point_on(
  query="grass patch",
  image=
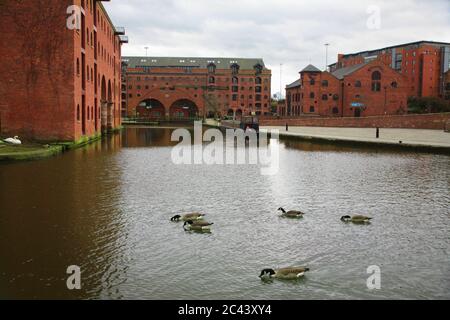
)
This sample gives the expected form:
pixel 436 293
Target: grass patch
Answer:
pixel 27 152
pixel 35 151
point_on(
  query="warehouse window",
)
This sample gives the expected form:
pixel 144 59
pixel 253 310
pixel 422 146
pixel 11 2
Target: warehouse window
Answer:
pixel 358 84
pixel 376 76
pixel 78 112
pixel 376 81
pixel 235 68
pixel 325 83
pixel 211 68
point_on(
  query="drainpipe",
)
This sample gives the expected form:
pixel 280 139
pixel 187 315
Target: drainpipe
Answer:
pixel 342 98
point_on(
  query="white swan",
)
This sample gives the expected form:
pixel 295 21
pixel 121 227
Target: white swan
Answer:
pixel 14 140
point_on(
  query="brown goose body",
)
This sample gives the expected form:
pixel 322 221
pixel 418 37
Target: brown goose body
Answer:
pixel 201 223
pixel 294 214
pixel 291 273
pixel 356 219
pixel 188 217
pixel 197 226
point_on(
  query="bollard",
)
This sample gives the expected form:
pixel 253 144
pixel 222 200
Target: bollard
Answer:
pixel 378 133
pixel 287 127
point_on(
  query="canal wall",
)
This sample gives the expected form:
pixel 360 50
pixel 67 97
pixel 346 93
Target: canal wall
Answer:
pixel 434 121
pixel 35 151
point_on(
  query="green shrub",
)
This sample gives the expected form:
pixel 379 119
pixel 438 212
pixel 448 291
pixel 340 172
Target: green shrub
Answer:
pixel 428 105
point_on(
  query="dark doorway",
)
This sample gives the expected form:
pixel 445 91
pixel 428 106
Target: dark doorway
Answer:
pixel 83 116
pixel 95 115
pixel 357 113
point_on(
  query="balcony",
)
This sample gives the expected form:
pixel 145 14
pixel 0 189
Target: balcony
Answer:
pixel 120 31
pixel 123 39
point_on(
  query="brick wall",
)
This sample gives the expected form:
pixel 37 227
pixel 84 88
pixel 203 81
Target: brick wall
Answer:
pixel 172 84
pixel 36 83
pixel 420 121
pixel 44 66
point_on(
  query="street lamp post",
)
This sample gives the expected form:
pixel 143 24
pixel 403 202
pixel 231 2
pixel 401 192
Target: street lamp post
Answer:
pixel 281 85
pixel 326 56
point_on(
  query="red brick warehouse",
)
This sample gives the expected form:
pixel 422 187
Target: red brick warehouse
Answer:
pixel 366 89
pixel 59 83
pixel 185 88
pixel 419 69
pixel 425 65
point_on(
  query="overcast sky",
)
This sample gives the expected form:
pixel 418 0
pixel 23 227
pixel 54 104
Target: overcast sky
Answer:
pixel 288 32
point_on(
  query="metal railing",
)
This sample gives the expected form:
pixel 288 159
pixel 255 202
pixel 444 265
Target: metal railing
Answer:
pixel 131 120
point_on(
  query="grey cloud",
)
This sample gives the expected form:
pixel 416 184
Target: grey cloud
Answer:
pixel 292 32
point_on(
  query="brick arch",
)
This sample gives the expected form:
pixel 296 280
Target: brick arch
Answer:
pixel 151 109
pixel 183 109
pixel 169 97
pixel 104 105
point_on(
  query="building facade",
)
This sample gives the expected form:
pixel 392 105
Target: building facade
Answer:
pixel 424 64
pixel 185 88
pixel 366 89
pixel 61 74
pixel 293 97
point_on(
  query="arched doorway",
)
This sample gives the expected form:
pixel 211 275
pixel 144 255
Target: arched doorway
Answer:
pixel 110 107
pixel 150 109
pixel 103 106
pixel 239 114
pixel 183 109
pixel 230 113
pixel 96 114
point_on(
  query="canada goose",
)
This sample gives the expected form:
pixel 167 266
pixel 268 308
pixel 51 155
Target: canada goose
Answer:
pixel 14 140
pixel 291 214
pixel 199 226
pixel 285 273
pixel 187 217
pixel 356 219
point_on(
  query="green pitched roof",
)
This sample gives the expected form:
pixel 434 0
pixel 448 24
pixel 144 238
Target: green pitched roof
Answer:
pixel 193 62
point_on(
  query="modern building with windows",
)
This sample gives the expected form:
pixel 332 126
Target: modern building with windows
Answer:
pixel 61 74
pixel 181 88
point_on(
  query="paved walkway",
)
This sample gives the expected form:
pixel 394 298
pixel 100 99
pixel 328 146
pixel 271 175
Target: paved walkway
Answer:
pixel 408 137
